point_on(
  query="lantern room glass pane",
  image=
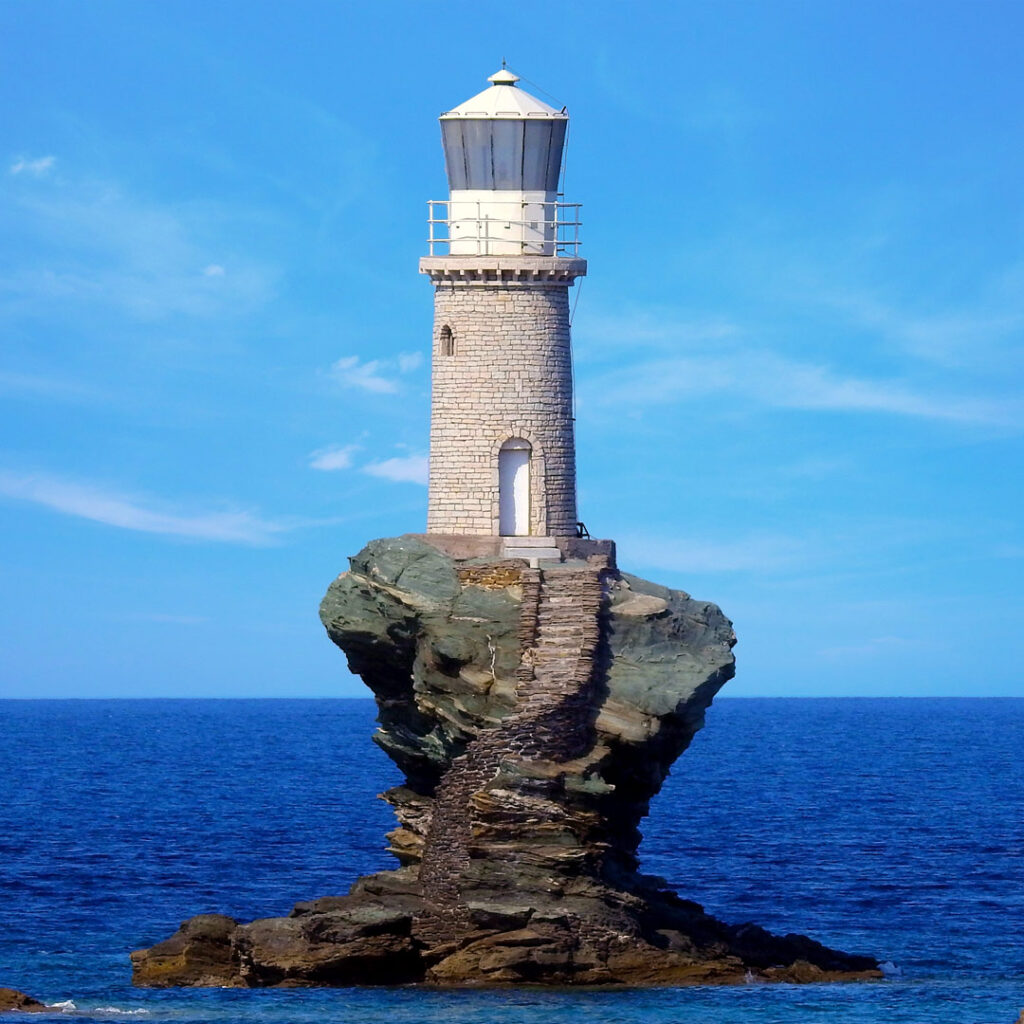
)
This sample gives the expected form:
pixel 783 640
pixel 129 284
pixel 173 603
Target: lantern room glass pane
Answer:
pixel 536 156
pixel 454 153
pixel 508 154
pixel 554 168
pixel 476 137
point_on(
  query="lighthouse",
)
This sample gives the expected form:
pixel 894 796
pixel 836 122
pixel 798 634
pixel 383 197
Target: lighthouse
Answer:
pixel 503 254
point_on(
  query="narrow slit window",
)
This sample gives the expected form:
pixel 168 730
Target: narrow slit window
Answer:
pixel 447 341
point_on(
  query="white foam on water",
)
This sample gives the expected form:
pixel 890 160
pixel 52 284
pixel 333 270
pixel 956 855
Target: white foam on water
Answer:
pixel 70 1006
pixel 890 970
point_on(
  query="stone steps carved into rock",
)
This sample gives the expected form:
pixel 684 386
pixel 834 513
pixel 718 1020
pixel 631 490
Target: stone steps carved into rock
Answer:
pixel 559 634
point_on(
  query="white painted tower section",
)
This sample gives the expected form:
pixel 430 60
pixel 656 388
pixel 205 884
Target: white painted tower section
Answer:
pixel 502 444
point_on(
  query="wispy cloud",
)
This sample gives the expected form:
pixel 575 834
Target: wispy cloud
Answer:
pixel 168 619
pixel 95 243
pixel 378 376
pixel 403 469
pixel 811 468
pixel 1009 551
pixel 34 385
pixel 36 167
pixel 351 372
pixel 338 457
pixel 760 553
pixel 651 328
pixel 88 501
pixel 870 647
pixel 951 338
pixel 399 469
pixel 781 382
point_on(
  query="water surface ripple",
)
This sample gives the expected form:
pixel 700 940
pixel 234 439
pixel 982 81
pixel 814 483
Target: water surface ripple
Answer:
pixel 893 827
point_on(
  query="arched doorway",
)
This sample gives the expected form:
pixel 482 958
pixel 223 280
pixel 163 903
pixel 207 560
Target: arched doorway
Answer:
pixel 514 488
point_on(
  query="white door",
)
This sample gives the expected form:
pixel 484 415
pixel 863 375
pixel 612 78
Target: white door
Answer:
pixel 514 492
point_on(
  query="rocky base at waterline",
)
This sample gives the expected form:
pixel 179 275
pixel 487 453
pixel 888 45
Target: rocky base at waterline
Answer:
pixel 534 714
pixel 370 938
pixel 12 999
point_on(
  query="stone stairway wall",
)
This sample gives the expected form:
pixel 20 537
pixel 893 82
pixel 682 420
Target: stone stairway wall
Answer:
pixel 560 630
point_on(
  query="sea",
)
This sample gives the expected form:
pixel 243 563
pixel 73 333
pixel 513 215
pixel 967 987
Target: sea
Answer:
pixel 882 826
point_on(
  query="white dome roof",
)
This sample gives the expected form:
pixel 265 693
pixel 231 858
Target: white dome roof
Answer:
pixel 503 99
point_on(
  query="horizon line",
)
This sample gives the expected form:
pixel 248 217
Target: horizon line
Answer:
pixel 766 696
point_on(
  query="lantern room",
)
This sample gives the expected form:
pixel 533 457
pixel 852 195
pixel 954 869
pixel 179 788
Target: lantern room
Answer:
pixel 503 156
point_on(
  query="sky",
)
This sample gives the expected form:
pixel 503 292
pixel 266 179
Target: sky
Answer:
pixel 798 347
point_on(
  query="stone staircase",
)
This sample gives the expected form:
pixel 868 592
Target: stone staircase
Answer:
pixel 560 630
pixel 533 549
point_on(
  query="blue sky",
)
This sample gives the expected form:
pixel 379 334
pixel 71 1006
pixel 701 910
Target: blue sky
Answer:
pixel 798 348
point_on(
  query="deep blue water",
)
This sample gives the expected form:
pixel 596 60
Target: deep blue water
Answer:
pixel 892 827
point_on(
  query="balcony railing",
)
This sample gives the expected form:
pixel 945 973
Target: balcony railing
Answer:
pixel 519 227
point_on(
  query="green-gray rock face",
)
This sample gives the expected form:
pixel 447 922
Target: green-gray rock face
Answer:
pixel 534 714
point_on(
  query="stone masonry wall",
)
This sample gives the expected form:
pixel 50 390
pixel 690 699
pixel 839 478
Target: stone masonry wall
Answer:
pixel 510 375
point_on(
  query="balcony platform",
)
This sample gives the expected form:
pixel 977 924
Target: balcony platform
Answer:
pixel 512 270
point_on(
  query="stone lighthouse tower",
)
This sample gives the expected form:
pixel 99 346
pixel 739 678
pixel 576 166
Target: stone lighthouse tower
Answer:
pixel 503 256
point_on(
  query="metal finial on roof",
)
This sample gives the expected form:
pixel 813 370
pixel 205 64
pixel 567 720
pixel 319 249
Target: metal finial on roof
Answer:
pixel 503 77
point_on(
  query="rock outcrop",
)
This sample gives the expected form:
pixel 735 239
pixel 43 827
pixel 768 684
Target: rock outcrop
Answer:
pixel 12 999
pixel 534 714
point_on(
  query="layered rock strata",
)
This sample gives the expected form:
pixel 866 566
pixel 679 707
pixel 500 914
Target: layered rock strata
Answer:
pixel 534 714
pixel 12 999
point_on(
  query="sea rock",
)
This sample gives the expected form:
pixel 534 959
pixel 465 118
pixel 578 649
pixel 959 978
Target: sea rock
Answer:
pixel 200 953
pixel 12 999
pixel 534 713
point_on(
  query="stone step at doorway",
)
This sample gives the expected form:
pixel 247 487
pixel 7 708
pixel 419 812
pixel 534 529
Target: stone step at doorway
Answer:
pixel 534 549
